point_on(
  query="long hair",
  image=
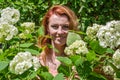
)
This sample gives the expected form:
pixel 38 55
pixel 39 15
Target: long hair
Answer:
pixel 58 10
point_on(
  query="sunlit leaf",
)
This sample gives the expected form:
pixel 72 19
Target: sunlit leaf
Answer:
pixel 60 76
pixel 46 76
pixel 91 55
pixel 26 44
pixel 33 51
pixel 41 31
pixel 65 60
pixel 72 37
pixel 3 65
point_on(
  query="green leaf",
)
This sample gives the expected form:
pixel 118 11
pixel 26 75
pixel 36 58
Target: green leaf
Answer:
pixel 59 76
pixel 91 55
pixel 33 51
pixel 84 70
pixel 97 48
pixel 72 37
pixel 118 74
pixel 46 76
pixel 3 65
pixel 41 31
pixel 32 75
pixel 79 61
pixel 26 45
pixel 74 58
pixel 66 70
pixel 1 0
pixel 96 76
pixel 65 60
pixel 109 50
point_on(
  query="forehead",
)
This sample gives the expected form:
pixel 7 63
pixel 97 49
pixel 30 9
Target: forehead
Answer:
pixel 57 19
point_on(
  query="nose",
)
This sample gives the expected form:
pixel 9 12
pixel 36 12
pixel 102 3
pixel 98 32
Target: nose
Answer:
pixel 60 31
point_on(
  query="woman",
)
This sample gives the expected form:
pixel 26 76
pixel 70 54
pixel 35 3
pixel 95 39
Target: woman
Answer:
pixel 57 22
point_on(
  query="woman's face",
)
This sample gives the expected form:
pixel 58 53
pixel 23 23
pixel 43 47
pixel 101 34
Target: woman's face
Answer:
pixel 58 29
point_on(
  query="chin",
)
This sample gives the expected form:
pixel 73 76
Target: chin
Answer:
pixel 59 43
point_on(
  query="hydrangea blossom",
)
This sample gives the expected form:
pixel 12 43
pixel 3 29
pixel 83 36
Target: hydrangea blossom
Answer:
pixel 22 62
pixel 9 15
pixel 116 57
pixel 108 70
pixel 92 31
pixel 28 28
pixel 109 35
pixel 7 31
pixel 77 47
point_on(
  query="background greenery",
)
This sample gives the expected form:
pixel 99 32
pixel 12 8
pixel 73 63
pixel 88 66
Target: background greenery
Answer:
pixel 87 11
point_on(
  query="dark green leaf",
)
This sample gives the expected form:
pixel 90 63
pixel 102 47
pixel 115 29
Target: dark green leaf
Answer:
pixel 97 48
pixel 66 70
pixel 74 58
pixel 84 70
pixel 96 76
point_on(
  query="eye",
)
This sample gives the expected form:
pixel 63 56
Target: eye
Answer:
pixel 54 26
pixel 65 27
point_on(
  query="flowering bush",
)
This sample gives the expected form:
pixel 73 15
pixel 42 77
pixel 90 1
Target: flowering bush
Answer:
pixel 91 55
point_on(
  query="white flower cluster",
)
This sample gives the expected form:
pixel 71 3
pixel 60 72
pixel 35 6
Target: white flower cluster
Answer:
pixel 9 16
pixel 92 31
pixel 77 47
pixel 116 58
pixel 116 61
pixel 7 31
pixel 109 35
pixel 28 28
pixel 22 62
pixel 108 70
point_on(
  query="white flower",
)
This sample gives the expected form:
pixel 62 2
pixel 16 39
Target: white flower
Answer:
pixel 77 47
pixel 108 70
pixel 28 28
pixel 116 57
pixel 109 35
pixel 22 66
pixel 36 63
pixel 7 31
pixel 22 62
pixel 92 31
pixel 9 15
